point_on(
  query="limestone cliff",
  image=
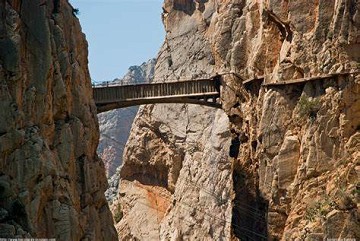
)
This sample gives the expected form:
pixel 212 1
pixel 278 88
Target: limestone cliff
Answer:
pixel 298 143
pixel 283 162
pixel 51 181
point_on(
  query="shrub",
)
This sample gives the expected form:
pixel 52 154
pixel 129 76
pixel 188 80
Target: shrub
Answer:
pixel 356 191
pixel 118 214
pixel 308 107
pixel 76 11
pixel 319 209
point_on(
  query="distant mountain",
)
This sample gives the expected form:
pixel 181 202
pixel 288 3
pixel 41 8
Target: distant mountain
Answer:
pixel 136 74
pixel 139 74
pixel 115 125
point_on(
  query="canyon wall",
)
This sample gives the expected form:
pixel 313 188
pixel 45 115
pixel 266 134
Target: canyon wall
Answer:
pixel 52 182
pixel 298 143
pixel 115 125
pixel 282 162
pixel 171 186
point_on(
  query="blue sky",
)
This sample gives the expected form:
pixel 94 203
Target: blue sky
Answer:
pixel 120 33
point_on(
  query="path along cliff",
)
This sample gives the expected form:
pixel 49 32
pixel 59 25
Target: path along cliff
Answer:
pixel 52 182
pixel 279 162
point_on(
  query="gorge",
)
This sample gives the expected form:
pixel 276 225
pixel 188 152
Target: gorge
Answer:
pixel 279 161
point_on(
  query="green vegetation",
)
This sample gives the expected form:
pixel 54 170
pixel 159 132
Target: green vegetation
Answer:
pixel 356 190
pixel 118 215
pixel 319 209
pixel 308 107
pixel 76 11
pixel 330 35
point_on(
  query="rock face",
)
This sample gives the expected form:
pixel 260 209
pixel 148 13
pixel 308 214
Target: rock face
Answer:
pixel 51 181
pixel 115 125
pixel 283 162
pixel 138 74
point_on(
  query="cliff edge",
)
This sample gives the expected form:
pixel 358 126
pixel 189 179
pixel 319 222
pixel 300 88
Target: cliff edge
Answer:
pixel 52 182
pixel 282 161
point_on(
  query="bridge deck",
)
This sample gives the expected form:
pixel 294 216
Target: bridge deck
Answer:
pixel 194 91
pixel 200 91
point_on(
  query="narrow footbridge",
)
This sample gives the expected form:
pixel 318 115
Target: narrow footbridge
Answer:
pixel 200 91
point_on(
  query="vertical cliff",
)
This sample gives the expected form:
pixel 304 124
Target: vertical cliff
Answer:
pixel 298 143
pixel 283 162
pixel 51 181
pixel 176 177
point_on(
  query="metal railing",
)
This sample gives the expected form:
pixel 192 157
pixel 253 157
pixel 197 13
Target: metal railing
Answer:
pixel 110 94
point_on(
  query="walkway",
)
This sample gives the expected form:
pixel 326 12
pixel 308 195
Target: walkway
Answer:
pixel 200 91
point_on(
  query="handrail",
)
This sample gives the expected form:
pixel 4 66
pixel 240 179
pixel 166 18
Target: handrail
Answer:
pixel 202 91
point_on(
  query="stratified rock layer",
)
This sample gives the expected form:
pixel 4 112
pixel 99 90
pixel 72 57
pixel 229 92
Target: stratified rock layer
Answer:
pixel 51 181
pixel 283 162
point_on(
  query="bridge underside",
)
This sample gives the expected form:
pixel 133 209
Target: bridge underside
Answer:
pixel 199 92
pixel 209 100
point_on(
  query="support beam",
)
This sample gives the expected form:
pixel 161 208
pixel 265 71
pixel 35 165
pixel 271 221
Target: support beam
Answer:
pixel 192 92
